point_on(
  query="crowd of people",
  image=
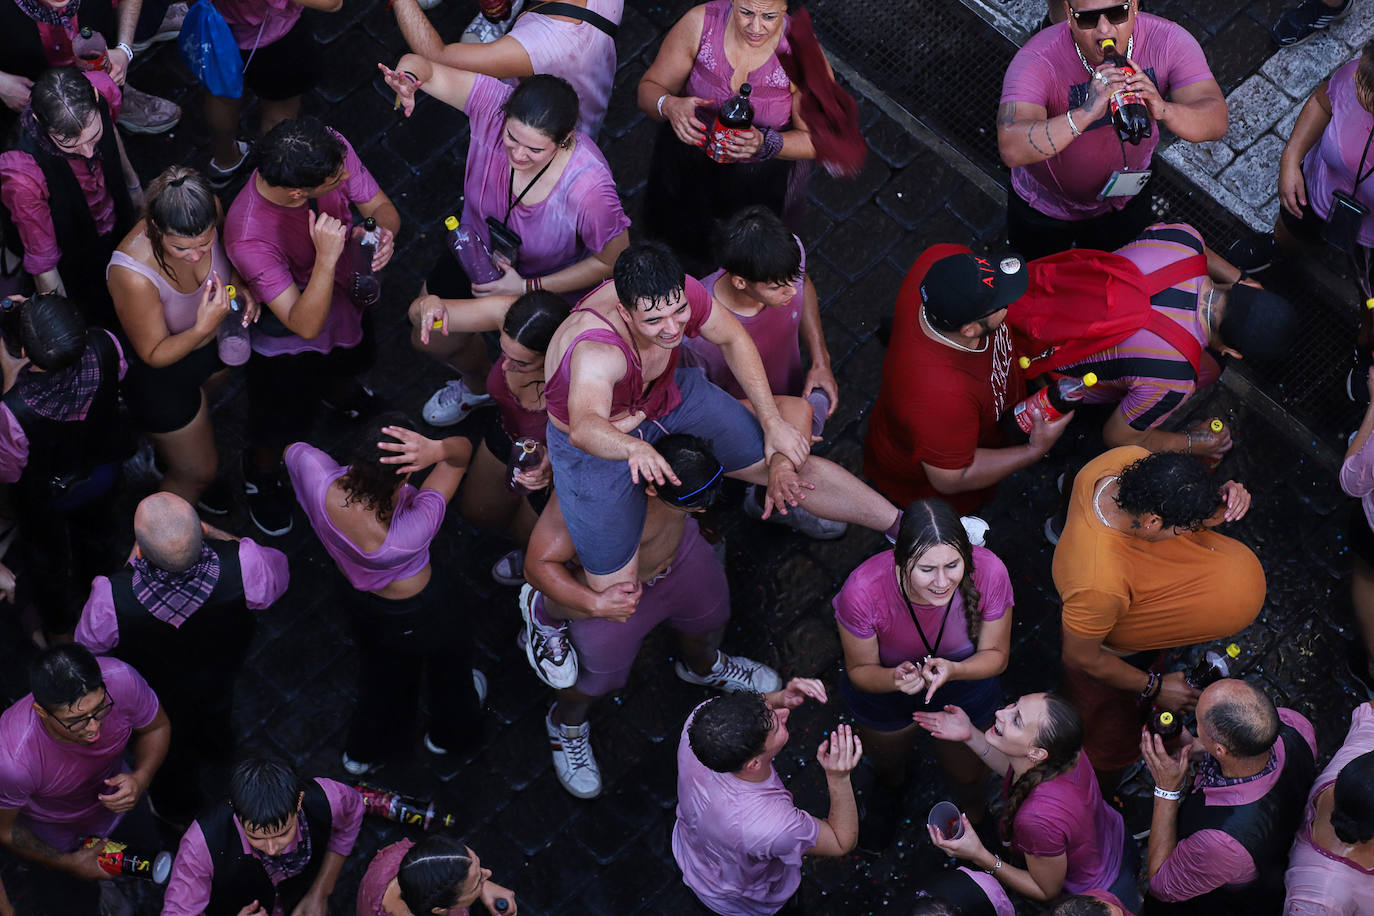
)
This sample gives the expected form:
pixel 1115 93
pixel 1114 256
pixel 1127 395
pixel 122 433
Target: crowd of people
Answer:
pixel 607 376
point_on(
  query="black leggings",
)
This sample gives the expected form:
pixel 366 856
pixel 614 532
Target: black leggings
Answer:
pixel 1034 235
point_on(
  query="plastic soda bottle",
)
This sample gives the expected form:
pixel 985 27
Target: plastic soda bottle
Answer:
pixel 402 808
pixel 364 289
pixel 734 118
pixel 115 859
pixel 1212 667
pixel 1216 428
pixel 1130 117
pixel 525 455
pixel 1166 725
pixel 471 252
pixel 89 50
pixel 233 342
pixel 1053 401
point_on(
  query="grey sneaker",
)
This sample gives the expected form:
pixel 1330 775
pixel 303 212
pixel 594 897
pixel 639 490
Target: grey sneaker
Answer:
pixel 797 518
pixel 452 403
pixel 573 760
pixel 550 654
pixel 734 674
pixel 482 30
pixel 168 29
pixel 147 114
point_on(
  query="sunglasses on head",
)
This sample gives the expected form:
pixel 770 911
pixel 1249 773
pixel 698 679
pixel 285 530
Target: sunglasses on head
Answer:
pixel 1087 19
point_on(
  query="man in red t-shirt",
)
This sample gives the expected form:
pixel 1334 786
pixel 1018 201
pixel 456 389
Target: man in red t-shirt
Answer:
pixel 950 373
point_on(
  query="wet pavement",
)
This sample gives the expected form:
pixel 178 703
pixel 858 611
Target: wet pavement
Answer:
pixel 611 855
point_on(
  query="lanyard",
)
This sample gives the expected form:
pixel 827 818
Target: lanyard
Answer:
pixel 511 199
pixel 930 649
pixel 1360 173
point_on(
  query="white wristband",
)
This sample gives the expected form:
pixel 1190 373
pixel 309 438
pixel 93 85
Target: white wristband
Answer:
pixel 1072 126
pixel 660 105
pixel 1167 794
pixel 127 50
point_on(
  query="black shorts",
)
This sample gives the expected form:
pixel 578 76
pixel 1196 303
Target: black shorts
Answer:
pixel 165 399
pixel 447 280
pixel 1361 537
pixel 1308 228
pixel 288 67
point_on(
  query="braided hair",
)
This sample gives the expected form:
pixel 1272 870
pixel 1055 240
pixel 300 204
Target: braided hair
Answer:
pixel 433 873
pixel 930 523
pixel 1061 738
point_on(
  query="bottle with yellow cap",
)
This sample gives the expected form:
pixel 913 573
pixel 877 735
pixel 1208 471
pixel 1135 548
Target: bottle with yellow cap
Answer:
pixel 472 253
pixel 1053 401
pixel 1212 667
pixel 1215 427
pixel 1166 725
pixel 233 343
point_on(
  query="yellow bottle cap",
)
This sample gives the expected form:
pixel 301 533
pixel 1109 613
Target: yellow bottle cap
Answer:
pixel 1166 718
pixel 1369 303
pixel 230 291
pixel 1108 43
pixel 1233 650
pixel 1217 426
pixel 1024 362
pixel 451 223
pixel 1090 379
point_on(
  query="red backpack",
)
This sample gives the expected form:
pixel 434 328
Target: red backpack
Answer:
pixel 1081 302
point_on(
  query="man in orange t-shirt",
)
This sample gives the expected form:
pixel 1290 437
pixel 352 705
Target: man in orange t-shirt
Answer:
pixel 1139 570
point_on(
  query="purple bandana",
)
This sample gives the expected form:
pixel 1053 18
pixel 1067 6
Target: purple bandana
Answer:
pixel 65 395
pixel 41 12
pixel 288 864
pixel 1207 773
pixel 173 597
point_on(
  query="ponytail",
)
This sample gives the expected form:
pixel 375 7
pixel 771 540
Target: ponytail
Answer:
pixel 1061 737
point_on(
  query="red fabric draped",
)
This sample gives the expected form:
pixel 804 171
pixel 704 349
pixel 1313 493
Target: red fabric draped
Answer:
pixel 830 113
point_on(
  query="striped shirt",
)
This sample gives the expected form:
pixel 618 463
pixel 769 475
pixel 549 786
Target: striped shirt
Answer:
pixel 1144 373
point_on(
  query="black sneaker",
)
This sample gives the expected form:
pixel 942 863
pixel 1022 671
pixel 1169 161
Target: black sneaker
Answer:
pixel 1357 662
pixel 269 506
pixel 217 499
pixel 1258 252
pixel 1054 527
pixel 1309 16
pixel 361 401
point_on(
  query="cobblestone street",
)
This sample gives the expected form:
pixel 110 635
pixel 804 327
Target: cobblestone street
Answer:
pixel 922 184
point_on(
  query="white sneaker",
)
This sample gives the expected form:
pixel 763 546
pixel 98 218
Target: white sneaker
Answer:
pixel 797 518
pixel 452 403
pixel 357 767
pixel 479 683
pixel 734 674
pixel 573 760
pixel 551 655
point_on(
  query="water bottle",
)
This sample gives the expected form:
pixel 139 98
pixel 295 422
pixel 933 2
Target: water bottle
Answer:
pixel 1212 667
pixel 1130 116
pixel 89 50
pixel 526 455
pixel 364 289
pixel 234 346
pixel 471 252
pixel 1053 401
pixel 734 118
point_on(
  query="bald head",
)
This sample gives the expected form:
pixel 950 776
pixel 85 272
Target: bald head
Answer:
pixel 167 531
pixel 1240 717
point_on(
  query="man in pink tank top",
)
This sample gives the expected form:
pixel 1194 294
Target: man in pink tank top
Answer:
pixel 618 363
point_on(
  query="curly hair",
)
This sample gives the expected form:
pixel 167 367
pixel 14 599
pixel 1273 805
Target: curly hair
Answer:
pixel 1364 77
pixel 367 480
pixel 1176 487
pixel 1061 737
pixel 930 523
pixel 730 730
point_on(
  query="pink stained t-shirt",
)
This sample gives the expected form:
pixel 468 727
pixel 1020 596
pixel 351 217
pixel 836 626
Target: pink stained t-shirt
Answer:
pixel 871 605
pixel 414 523
pixel 578 218
pixel 381 871
pixel 56 785
pixel 271 247
pixel 1048 72
pixel 1068 816
pixel 178 308
pixel 629 393
pixel 1321 883
pixel 739 844
pixel 711 74
pixel 24 191
pixel 193 870
pixel 774 331
pixel 578 52
pixel 1357 478
pixel 258 23
pixel 1330 165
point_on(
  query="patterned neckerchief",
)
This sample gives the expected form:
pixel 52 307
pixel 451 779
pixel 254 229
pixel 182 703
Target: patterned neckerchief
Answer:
pixel 173 597
pixel 64 395
pixel 41 12
pixel 288 864
pixel 1207 773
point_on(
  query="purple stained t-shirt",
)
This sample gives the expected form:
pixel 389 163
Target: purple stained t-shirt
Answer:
pixel 578 218
pixel 1068 816
pixel 774 331
pixel 258 23
pixel 1048 72
pixel 414 522
pixel 56 785
pixel 1330 165
pixel 871 604
pixel 271 247
pixel 739 844
pixel 578 52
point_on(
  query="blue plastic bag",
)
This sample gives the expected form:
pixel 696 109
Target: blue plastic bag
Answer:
pixel 209 49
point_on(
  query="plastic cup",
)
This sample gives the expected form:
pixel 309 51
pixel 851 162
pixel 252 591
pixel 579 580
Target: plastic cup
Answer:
pixel 946 818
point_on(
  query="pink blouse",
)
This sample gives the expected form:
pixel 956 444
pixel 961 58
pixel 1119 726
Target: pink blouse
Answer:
pixel 712 72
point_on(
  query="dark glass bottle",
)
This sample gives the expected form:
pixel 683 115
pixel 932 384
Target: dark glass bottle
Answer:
pixel 1130 116
pixel 364 289
pixel 1166 725
pixel 1212 667
pixel 734 117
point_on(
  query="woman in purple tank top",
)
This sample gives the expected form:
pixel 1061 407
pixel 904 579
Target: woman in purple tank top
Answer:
pixel 516 384
pixel 439 874
pixel 167 279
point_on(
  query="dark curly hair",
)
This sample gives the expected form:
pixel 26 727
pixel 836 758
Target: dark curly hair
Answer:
pixel 367 480
pixel 928 523
pixel 1352 807
pixel 1061 737
pixel 1176 487
pixel 730 730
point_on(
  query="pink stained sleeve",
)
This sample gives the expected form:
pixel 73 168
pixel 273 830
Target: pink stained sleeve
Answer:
pixel 133 693
pixel 699 305
pixel 996 894
pixel 24 191
pixel 423 518
pixel 98 629
pixel 600 215
pixel 1357 471
pixel 853 604
pixel 1030 76
pixel 1201 863
pixel 119 353
pixel 361 186
pixel 484 104
pixel 193 871
pixel 994 584
pixel 266 574
pixel 109 90
pixel 347 807
pixel 14 447
pixel 1187 62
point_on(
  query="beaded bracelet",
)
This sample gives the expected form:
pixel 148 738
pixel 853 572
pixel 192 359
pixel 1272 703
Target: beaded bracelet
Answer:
pixel 1152 685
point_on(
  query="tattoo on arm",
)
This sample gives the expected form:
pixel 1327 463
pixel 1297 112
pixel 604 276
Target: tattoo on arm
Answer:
pixel 1030 135
pixel 26 844
pixel 1006 114
pixel 1053 145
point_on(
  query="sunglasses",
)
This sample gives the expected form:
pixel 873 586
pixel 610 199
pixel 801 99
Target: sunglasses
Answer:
pixel 1087 19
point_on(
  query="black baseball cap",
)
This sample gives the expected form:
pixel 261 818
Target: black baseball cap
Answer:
pixel 966 287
